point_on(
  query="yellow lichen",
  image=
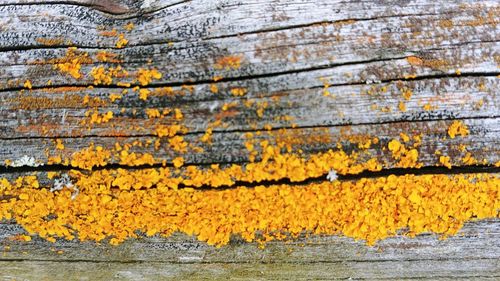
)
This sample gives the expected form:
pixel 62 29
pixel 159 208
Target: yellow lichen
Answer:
pixel 365 208
pixel 229 62
pixel 71 63
pixel 90 157
pixel 146 76
pixel 238 92
pixel 457 128
pixel 122 42
pixel 178 162
pixel 445 161
pixel 27 84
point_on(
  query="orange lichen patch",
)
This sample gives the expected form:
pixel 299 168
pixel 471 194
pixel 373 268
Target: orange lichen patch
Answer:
pixel 105 56
pixel 468 159
pixel 92 101
pixel 458 128
pixel 445 161
pixel 59 144
pixel 189 88
pixel 178 162
pixel 238 92
pixel 428 107
pixel 27 84
pixel 104 76
pixel 368 209
pixel 90 157
pixel 129 26
pixel 407 93
pixel 63 89
pixel 146 76
pixel 50 41
pixel 93 117
pixel 407 157
pixel 207 136
pixel 167 91
pixel 109 33
pixel 446 24
pixel 71 63
pixel 167 131
pixel 178 144
pixel 228 62
pixel 122 42
pixel 153 113
pixel 213 88
pixel 415 61
pixel 144 93
pixel 135 159
pixel 402 106
pixel 178 114
pixel 113 97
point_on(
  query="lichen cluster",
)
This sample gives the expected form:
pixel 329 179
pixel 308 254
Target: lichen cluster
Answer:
pixel 151 193
pixel 368 209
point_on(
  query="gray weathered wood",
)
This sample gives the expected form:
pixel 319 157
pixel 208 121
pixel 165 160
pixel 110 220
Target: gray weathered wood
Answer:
pixel 463 256
pixel 364 53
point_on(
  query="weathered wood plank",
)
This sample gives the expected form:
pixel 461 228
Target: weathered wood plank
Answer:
pixel 332 73
pixel 303 47
pixel 476 241
pixel 61 113
pixel 472 254
pixel 482 143
pixel 391 270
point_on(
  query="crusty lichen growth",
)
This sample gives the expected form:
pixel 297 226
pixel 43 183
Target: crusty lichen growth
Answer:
pixel 368 209
pixel 457 128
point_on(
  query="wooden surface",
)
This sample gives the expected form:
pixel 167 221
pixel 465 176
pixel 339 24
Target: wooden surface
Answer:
pixel 290 52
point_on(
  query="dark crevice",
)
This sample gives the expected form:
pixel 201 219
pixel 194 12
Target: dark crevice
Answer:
pixel 262 129
pixel 139 13
pixel 295 26
pixel 264 262
pixel 226 79
pixel 274 74
pixel 427 170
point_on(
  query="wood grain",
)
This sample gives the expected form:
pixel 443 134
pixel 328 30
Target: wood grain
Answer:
pixel 324 73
